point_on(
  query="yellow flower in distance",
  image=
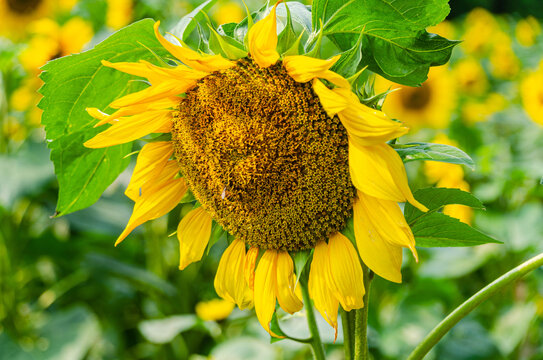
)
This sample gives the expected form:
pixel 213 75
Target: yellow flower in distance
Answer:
pixel 480 26
pixel 531 91
pixel 216 309
pixel 504 63
pixel 276 157
pixel 527 31
pixel 430 105
pixel 470 77
pixel 119 13
pixel 16 15
pixel 227 12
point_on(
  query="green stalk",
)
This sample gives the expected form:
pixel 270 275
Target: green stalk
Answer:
pixel 316 343
pixel 361 322
pixel 460 312
pixel 347 322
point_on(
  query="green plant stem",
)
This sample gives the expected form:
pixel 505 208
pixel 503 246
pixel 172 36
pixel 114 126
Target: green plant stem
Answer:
pixel 460 312
pixel 316 343
pixel 347 322
pixel 361 322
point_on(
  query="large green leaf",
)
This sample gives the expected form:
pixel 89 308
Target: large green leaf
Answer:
pixel 395 43
pixel 78 81
pixel 433 229
pixel 433 152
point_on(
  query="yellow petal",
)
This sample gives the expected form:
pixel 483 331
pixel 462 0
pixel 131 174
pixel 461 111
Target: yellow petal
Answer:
pixel 347 276
pixel 318 285
pixel 151 160
pixel 286 295
pixel 160 104
pixel 250 264
pixel 265 289
pixel 388 221
pixel 191 58
pixel 263 40
pixel 379 171
pixel 162 90
pixel 367 126
pixel 160 199
pixel 381 256
pixel 193 234
pixel 229 280
pixel 331 102
pixel 97 114
pixel 138 69
pixel 131 128
pixel 304 68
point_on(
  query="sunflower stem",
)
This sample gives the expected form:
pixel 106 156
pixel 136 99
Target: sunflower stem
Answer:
pixel 460 312
pixel 361 322
pixel 347 322
pixel 316 343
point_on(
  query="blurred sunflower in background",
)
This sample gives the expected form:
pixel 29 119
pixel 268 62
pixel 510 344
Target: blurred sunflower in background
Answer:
pixel 531 91
pixel 429 105
pixel 279 152
pixel 17 14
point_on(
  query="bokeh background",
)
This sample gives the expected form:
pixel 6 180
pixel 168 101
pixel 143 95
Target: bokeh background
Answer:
pixel 66 293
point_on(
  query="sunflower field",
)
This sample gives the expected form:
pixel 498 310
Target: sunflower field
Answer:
pixel 236 180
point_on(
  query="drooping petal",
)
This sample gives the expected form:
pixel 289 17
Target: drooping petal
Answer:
pixel 138 69
pixel 151 160
pixel 367 126
pixel 263 40
pixel 379 171
pixel 304 68
pixel 381 256
pixel 157 200
pixel 191 58
pixel 286 280
pixel 388 221
pixel 131 128
pixel 347 278
pixel 193 234
pixel 331 101
pixel 230 281
pixel 265 289
pixel 318 285
pixel 250 264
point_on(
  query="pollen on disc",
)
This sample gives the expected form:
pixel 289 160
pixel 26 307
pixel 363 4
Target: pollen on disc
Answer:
pixel 263 158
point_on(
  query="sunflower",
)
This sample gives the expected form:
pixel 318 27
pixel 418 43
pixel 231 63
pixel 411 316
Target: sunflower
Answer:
pixel 17 14
pixel 531 91
pixel 279 152
pixel 430 105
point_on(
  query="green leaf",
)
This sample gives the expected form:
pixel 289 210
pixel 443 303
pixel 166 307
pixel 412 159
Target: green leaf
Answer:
pixel 349 60
pixel 440 230
pixel 434 152
pixel 184 27
pixel 433 229
pixel 300 260
pixel 395 44
pixel 75 82
pixel 274 327
pixel 226 46
pixel 435 198
pixel 217 233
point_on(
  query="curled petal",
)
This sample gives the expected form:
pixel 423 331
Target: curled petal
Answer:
pixel 331 102
pixel 193 234
pixel 347 276
pixel 191 58
pixel 250 264
pixel 151 160
pixel 319 287
pixel 229 280
pixel 304 68
pixel 380 255
pixel 265 289
pixel 286 294
pixel 157 199
pixel 263 40
pixel 379 171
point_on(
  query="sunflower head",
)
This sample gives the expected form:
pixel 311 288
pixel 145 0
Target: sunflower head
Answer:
pixel 279 152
